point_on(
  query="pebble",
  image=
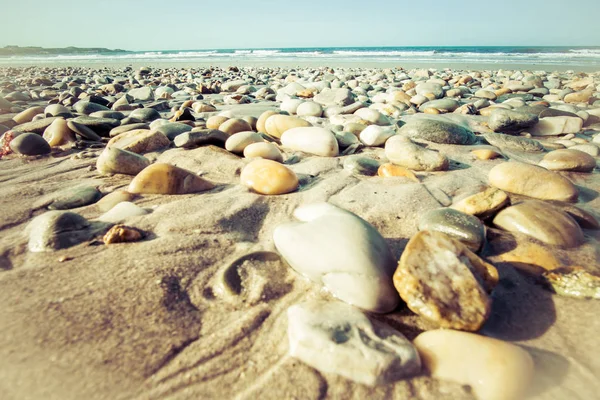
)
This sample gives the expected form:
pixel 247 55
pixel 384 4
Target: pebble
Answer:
pixel 503 120
pixel 263 150
pixel 167 179
pixel 485 154
pixel 334 97
pixel 237 142
pixel 72 197
pixel 215 121
pixel 58 133
pixel 336 338
pixel 532 181
pixel 589 148
pixel 390 170
pixel 113 160
pixel 343 252
pixel 277 124
pixel 403 152
pixel 483 204
pixel 509 142
pixel 88 107
pixel 172 129
pixel 235 125
pixel 121 234
pixel 29 144
pixel 262 119
pixel 202 137
pixel 36 126
pixel 361 165
pixel 144 114
pixel 57 110
pixel 446 105
pixel 309 109
pixel 374 135
pixel 141 94
pixel 461 226
pixel 568 160
pixel 112 199
pixel 269 177
pixel 541 221
pixel 313 140
pixel 494 369
pixel 573 282
pixel 121 211
pixel 55 230
pixel 437 130
pixel 439 278
pixel 553 126
pixel 83 131
pixel 140 141
pixel 372 116
pixel 27 115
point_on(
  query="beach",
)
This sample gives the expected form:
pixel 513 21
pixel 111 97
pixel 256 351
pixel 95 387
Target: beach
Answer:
pixel 162 220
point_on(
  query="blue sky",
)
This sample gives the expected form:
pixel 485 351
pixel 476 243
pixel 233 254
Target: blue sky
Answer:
pixel 188 24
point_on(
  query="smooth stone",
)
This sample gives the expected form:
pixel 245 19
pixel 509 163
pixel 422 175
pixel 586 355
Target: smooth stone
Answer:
pixel 494 369
pixel 372 116
pixel 343 252
pixel 334 97
pixel 277 124
pixel 144 114
pixel 140 141
pixel 313 140
pixel 200 107
pixel 264 150
pixel 438 131
pixel 345 139
pixel 391 170
pixel 354 128
pixel 108 114
pixel 55 230
pixel 461 226
pixel 262 119
pixel 83 131
pixel 485 94
pixel 290 105
pixel 172 129
pixel 425 88
pixel 168 179
pixel 448 105
pixel 483 204
pixel 57 110
pixel 30 144
pixel 374 135
pixel 235 125
pixel 113 160
pixel 102 126
pixel 532 181
pixel 27 115
pixel 5 104
pixel 36 126
pixel 485 154
pixel 513 142
pixel 58 133
pixel 233 85
pixel 553 126
pixel 361 165
pixel 309 109
pixel 215 121
pixel 88 107
pixel 142 94
pixel 121 211
pixel 269 177
pixel 589 148
pixel 442 280
pixel 410 155
pixel 129 127
pixel 336 338
pixel 541 221
pixel 195 138
pixel 568 160
pixel 237 142
pixel 579 97
pixel 112 199
pixel 74 197
pixel 582 217
pixel 502 120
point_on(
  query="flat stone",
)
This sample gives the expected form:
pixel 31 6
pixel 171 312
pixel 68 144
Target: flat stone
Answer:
pixel 29 144
pixel 374 135
pixel 309 109
pixel 372 116
pixel 336 338
pixel 264 150
pixel 113 160
pixel 277 124
pixel 483 204
pixel 121 211
pixel 448 105
pixel 429 87
pixel 495 370
pixel 168 179
pixel 112 199
pixel 140 141
pixel 55 230
pixel 102 126
pixel 461 226
pixel 88 107
pixel 504 120
pixel 553 126
pixel 172 129
pixel 361 165
pixel 485 154
pixel 37 126
pixel 142 94
pixel 334 97
pixel 269 177
pixel 513 142
pixel 589 148
pixel 391 170
pixel 313 140
pixel 438 131
pixel 57 110
pixel 27 115
pixel 343 252
pixel 532 181
pixel 237 142
pixel 401 151
pixel 541 221
pixel 83 131
pixel 439 278
pixel 235 125
pixel 201 137
pixel 144 114
pixel 568 160
pixel 72 197
pixel 129 127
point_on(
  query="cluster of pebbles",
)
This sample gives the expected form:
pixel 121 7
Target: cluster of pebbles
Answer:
pixel 536 134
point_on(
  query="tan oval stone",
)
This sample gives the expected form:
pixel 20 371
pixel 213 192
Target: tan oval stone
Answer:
pixel 215 121
pixel 269 177
pixel 579 97
pixel 276 125
pixel 485 154
pixel 355 128
pixel 234 125
pixel 113 160
pixel 263 150
pixel 112 199
pixel 58 133
pixel 532 181
pixel 438 278
pixel 314 140
pixel 27 115
pixel 168 179
pixel 525 255
pixel 389 170
pixel 483 204
pixel 568 160
pixel 262 119
pixel 541 221
pixel 431 110
pixel 237 142
pixel 140 141
pixel 200 107
pixel 495 370
pixel 251 121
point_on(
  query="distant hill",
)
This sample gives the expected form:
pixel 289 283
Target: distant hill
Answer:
pixel 30 50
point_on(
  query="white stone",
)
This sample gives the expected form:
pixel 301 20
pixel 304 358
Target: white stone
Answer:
pixel 336 338
pixel 313 140
pixel 343 252
pixel 552 126
pixel 374 135
pixel 309 109
pixel 372 116
pixel 121 212
pixel 291 105
pixel 237 142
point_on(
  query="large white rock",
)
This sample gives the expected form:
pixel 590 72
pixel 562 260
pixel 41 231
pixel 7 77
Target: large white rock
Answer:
pixel 314 140
pixel 374 135
pixel 372 116
pixel 342 251
pixel 337 338
pixel 552 126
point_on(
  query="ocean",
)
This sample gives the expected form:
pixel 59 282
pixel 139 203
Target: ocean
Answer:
pixel 588 57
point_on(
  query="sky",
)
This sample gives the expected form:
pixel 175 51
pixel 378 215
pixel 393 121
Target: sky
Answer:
pixel 226 24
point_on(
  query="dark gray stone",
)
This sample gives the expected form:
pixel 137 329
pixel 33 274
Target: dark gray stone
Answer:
pixel 29 144
pixel 438 131
pixel 361 165
pixel 514 142
pixel 503 120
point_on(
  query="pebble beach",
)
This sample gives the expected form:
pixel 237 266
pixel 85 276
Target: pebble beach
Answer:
pixel 261 231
